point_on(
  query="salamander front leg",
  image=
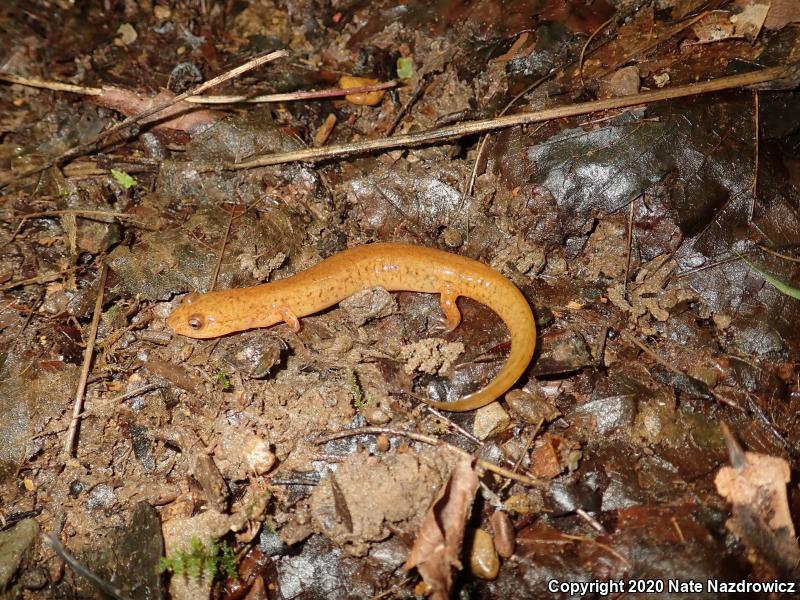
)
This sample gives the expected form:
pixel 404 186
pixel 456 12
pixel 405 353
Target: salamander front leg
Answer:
pixel 447 299
pixel 289 318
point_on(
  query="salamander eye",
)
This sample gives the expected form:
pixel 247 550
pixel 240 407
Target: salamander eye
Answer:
pixel 196 322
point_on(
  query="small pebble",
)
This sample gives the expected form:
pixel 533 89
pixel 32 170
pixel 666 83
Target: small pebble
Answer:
pixel 258 455
pixel 375 415
pixel 382 443
pixel 532 408
pixel 483 560
pixel 504 534
pixel 518 503
pixel 489 420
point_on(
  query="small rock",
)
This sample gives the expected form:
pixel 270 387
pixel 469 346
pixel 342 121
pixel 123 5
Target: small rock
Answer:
pixel 483 560
pixel 35 578
pixel 375 415
pixel 504 534
pixel 518 503
pixel 532 408
pixel 452 238
pixel 127 35
pixel 258 455
pixel 161 13
pixel 489 420
pixel 15 546
pixel 707 375
pixel 623 82
pixel 382 443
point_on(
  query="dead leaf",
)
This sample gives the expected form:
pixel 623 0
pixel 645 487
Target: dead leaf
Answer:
pixel 178 117
pixel 438 545
pixel 761 516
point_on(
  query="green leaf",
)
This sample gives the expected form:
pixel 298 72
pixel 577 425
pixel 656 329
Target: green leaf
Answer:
pixel 779 285
pixel 405 67
pixel 122 178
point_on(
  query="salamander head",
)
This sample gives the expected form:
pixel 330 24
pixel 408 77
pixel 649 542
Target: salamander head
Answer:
pixel 198 316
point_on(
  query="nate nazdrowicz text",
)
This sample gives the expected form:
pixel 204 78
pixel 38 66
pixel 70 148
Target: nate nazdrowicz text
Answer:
pixel 657 586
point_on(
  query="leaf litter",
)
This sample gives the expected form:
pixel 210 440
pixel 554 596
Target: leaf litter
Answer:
pixel 622 228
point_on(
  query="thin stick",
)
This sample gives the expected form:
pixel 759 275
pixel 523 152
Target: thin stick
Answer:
pixel 221 255
pixel 779 254
pixel 292 96
pixel 46 278
pixel 137 392
pixel 138 118
pixel 586 45
pixel 445 134
pixel 87 214
pixel 453 425
pixel 77 408
pixel 755 158
pixel 628 247
pixel 425 439
pixel 51 85
pixel 287 97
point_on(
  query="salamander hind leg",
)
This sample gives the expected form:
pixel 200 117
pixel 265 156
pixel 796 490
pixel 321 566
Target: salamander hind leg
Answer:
pixel 447 299
pixel 289 318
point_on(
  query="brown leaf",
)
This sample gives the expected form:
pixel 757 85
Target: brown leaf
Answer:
pixel 438 544
pixel 761 516
pixel 182 116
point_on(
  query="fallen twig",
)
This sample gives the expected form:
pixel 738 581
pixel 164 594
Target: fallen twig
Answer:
pixel 77 408
pixel 138 118
pixel 264 98
pixel 446 134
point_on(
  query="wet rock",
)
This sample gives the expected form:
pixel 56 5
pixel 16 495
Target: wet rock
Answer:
pixel 16 545
pixel 139 547
pixel 562 352
pixel 35 578
pixel 532 407
pixel 102 496
pixel 607 415
pixel 255 354
pixel 490 420
pixel 483 559
pixel 504 534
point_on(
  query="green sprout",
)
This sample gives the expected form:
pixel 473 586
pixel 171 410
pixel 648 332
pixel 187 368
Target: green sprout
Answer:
pixel 211 560
pixel 122 178
pixel 405 67
pixel 224 379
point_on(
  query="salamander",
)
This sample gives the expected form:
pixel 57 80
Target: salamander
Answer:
pixel 392 266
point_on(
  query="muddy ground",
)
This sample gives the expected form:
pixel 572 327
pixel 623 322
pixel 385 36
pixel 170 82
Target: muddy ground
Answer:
pixel 666 363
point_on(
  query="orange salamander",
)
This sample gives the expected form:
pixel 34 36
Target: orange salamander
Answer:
pixel 394 267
